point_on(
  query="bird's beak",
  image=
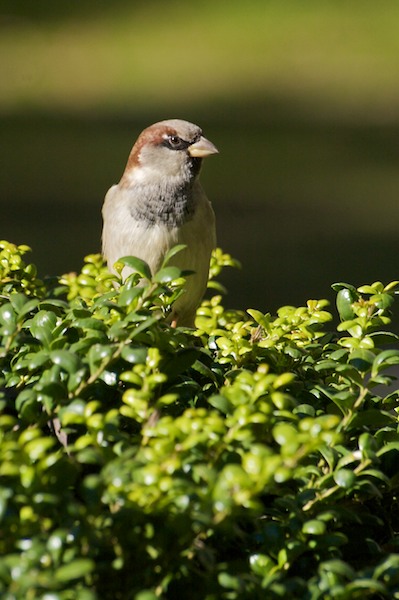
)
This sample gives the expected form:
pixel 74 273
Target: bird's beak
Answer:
pixel 202 148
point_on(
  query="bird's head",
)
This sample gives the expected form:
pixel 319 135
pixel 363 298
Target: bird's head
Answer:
pixel 170 150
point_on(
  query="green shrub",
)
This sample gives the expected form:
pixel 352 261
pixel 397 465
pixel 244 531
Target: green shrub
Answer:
pixel 252 457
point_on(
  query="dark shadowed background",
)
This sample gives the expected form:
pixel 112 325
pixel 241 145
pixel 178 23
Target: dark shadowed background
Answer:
pixel 301 98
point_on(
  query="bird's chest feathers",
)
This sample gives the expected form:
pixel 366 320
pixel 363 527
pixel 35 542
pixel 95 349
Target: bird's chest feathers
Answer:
pixel 151 239
pixel 163 206
pixel 159 204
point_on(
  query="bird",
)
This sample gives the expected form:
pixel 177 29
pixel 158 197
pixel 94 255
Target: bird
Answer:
pixel 159 203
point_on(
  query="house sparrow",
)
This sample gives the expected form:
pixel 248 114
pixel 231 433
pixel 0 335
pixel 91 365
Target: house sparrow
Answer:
pixel 158 203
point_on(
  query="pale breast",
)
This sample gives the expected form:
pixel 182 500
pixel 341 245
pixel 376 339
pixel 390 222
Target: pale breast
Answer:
pixel 149 239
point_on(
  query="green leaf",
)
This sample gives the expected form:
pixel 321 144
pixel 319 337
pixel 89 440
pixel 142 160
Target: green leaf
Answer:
pixel 345 298
pixel 145 324
pixel 388 568
pixel 325 365
pixel 18 300
pixel 376 474
pixel 42 326
pixel 383 338
pixel 38 360
pixel 205 371
pixel 367 442
pixel 339 567
pixel 76 569
pixel 366 586
pixel 260 318
pixel 286 435
pixel 134 354
pixel 391 286
pixel 314 527
pixel 67 360
pixel 51 303
pixel 345 478
pixel 261 564
pixel 137 265
pixel 90 323
pixel 167 274
pixel 7 314
pixel 343 286
pixel 28 405
pixel 172 252
pixel 371 289
pixel 73 413
pixel 389 447
pixel 372 418
pixel 384 359
pixel 180 362
pixel 229 581
pixel 99 353
pixel 221 403
pixel 146 595
pixel 382 301
pixel 38 447
pixel 128 295
pixel 361 359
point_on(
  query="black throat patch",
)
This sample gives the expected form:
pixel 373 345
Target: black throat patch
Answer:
pixel 170 207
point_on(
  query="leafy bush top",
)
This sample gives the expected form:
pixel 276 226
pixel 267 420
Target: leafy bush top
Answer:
pixel 252 457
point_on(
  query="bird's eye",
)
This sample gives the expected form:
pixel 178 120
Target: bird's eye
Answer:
pixel 174 142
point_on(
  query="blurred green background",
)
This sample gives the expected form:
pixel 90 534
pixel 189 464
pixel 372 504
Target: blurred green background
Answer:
pixel 301 98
